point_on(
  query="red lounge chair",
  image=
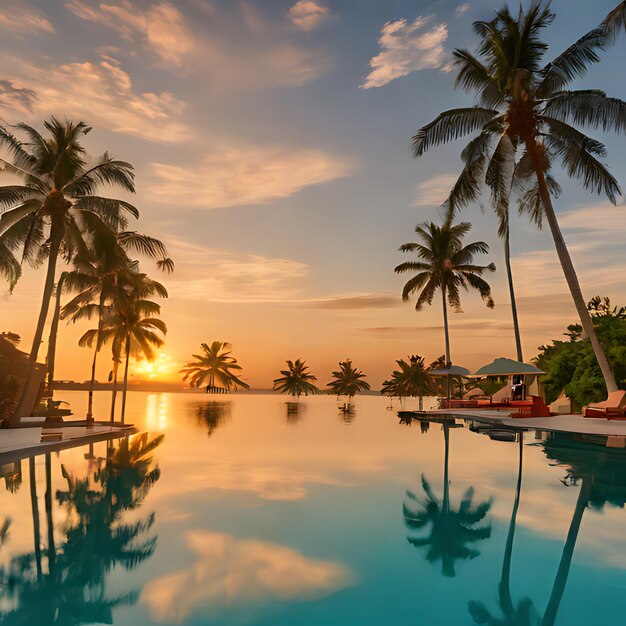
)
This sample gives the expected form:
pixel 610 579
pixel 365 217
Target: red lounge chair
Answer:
pixel 614 407
pixel 534 406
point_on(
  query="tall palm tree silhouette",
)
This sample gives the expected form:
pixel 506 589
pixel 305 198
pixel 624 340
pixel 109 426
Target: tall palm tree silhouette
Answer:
pixel 451 531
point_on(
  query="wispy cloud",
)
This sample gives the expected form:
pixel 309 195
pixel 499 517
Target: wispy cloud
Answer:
pixel 308 14
pixel 407 47
pixel 434 191
pixel 232 49
pixel 238 176
pixel 350 303
pixel 20 17
pixel 238 574
pixel 462 9
pixel 215 275
pixel 103 94
pixel 161 27
pixel 16 98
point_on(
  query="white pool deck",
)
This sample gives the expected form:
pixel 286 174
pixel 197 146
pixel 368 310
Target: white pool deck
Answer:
pixel 573 423
pixel 19 443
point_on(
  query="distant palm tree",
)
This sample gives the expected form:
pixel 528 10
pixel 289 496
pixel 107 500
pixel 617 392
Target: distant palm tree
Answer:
pixel 296 380
pixel 348 380
pixel 525 107
pixel 411 380
pixel 445 264
pixel 215 368
pixel 56 205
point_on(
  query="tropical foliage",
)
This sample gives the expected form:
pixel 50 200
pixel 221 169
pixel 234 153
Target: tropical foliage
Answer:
pixel 348 381
pixel 444 264
pixel 524 121
pixel 214 368
pixel 296 380
pixel 570 364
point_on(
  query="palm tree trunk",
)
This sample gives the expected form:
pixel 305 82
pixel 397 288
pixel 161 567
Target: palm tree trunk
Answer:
pixel 509 275
pixel 114 392
pixel 125 389
pixel 92 382
pixel 506 602
pixel 52 345
pixel 446 333
pixel 569 271
pixel 34 504
pixel 56 235
pixel 568 552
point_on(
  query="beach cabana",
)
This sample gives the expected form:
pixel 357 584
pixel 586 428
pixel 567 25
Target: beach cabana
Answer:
pixel 522 376
pixel 454 371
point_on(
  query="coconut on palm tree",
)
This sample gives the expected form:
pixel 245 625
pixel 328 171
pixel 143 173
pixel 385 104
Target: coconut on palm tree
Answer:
pixel 48 214
pixel 215 368
pixel 444 264
pixel 296 380
pixel 525 119
pixel 348 381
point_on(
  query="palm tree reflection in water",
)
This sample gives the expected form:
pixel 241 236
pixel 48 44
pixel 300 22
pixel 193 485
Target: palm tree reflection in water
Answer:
pixel 95 539
pixel 450 530
pixel 212 414
pixel 524 613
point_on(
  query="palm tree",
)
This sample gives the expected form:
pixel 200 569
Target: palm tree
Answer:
pixel 97 279
pixel 296 380
pixel 444 263
pixel 215 368
pixel 348 380
pixel 50 212
pixel 131 324
pixel 524 107
pixel 411 380
pixel 450 530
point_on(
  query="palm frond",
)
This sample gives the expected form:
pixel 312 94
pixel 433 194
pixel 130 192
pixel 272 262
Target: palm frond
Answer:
pixel 449 126
pixel 590 108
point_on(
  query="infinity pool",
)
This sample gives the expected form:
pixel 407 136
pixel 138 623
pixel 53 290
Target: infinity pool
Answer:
pixel 243 509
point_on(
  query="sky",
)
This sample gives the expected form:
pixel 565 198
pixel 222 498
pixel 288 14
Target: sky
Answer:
pixel 271 141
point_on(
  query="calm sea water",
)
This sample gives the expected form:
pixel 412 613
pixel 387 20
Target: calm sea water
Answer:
pixel 247 512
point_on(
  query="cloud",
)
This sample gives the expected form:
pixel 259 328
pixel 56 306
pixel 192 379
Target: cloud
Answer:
pixel 16 98
pixel 216 275
pixel 349 303
pixel 161 28
pixel 102 93
pixel 237 50
pixel 434 191
pixel 239 176
pixel 462 9
pixel 307 14
pixel 602 217
pixel 239 574
pixel 20 17
pixel 406 48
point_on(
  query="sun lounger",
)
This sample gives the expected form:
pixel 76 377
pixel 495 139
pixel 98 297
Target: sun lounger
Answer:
pixel 614 407
pixel 534 406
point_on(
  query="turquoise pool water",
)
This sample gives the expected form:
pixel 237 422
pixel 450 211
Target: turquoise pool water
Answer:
pixel 247 512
